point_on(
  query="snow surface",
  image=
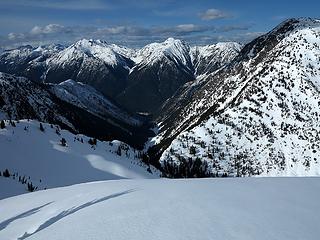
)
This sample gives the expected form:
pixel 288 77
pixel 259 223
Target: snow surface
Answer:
pixel 242 209
pixel 29 152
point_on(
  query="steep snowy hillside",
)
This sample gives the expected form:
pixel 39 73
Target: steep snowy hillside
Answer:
pixel 251 208
pixel 91 62
pixel 259 115
pixel 28 61
pixel 21 98
pixel 86 97
pixel 46 160
pixel 24 99
pixel 162 69
pixel 210 58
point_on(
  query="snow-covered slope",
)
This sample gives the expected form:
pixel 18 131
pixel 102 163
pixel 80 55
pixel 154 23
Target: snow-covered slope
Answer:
pixel 21 98
pixel 76 109
pixel 86 97
pixel 212 57
pixel 242 209
pixel 259 115
pixel 40 155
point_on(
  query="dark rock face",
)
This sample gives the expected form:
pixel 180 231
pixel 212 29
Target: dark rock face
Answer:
pixel 108 80
pixel 163 69
pixel 149 86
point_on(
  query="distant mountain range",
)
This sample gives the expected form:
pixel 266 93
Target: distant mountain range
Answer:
pixel 217 110
pixel 149 75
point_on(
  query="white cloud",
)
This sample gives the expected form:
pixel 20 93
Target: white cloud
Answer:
pixel 188 28
pixel 16 36
pixel 213 13
pixel 51 28
pixel 123 34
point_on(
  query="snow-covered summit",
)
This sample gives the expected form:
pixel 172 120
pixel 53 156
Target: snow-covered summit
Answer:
pixel 91 48
pixel 173 49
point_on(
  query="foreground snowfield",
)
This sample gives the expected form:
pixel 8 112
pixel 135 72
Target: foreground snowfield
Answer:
pixel 250 208
pixel 26 150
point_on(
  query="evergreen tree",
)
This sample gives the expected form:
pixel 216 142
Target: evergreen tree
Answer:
pixel 63 142
pixel 30 187
pixel 192 150
pixel 41 127
pixel 12 123
pixel 92 141
pixel 118 151
pixel 2 124
pixel 6 173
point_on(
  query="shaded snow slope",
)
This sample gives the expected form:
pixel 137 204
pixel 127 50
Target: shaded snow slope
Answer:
pixel 21 98
pixel 76 107
pixel 242 209
pixel 88 98
pixel 40 155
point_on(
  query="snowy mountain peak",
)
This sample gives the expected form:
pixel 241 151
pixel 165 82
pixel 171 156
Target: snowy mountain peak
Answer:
pixel 88 43
pixel 173 49
pixel 91 48
pixel 211 57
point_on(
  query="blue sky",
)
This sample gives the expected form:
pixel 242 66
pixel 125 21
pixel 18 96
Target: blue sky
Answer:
pixel 138 22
